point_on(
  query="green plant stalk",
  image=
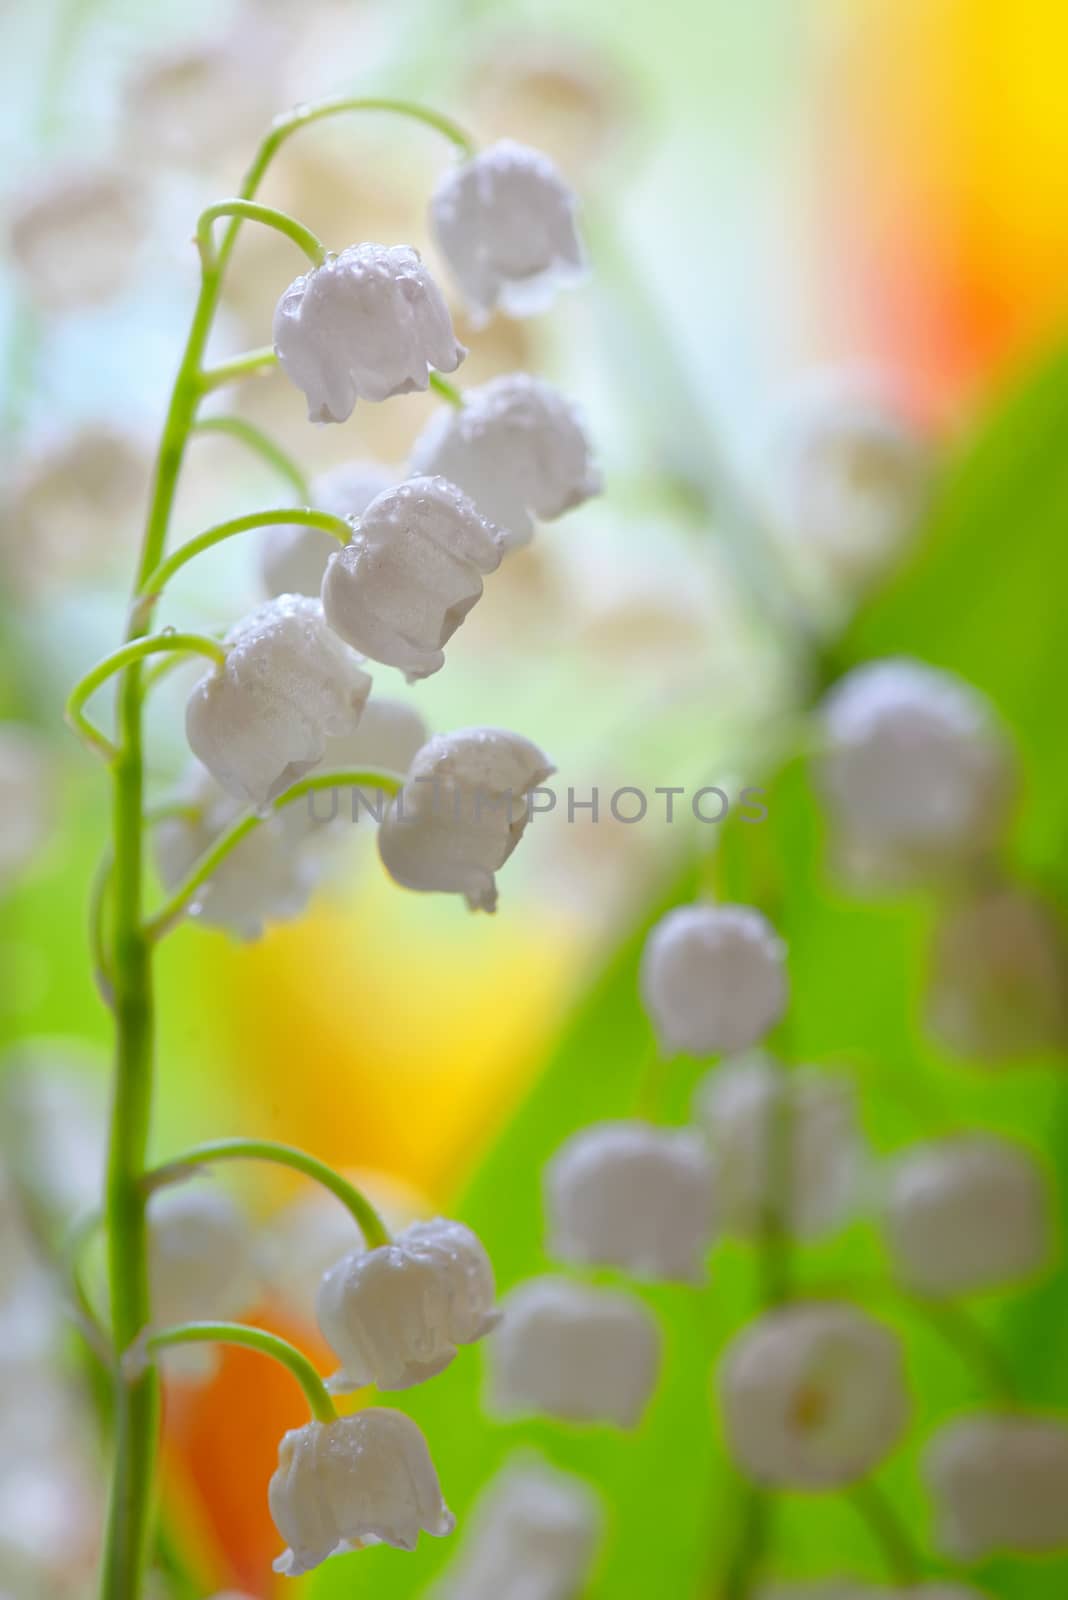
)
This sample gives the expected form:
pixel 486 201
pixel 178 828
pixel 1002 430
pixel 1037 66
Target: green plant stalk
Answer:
pixel 258 1339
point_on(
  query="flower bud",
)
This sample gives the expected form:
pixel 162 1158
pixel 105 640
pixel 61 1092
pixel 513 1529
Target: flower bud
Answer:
pixel 505 222
pixel 624 1194
pixel 998 987
pixel 293 557
pixel 461 813
pixel 915 773
pixel 813 1396
pixel 738 1106
pixel 533 1531
pixel 74 235
pixel 411 573
pixel 713 978
pixel 199 1252
pixel 999 1483
pixel 573 1352
pixel 366 1477
pixel 262 720
pixel 396 1314
pixel 517 447
pixel 368 324
pixel 967 1213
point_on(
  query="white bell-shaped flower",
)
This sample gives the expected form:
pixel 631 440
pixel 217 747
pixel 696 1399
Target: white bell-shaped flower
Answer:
pixel 713 978
pixel 626 1194
pixel 200 1252
pixel 574 1352
pixel 366 1478
pixel 517 447
pixel 367 324
pixel 738 1107
pixel 848 475
pixel 74 234
pixel 390 736
pixel 461 813
pixel 914 771
pixel 967 1213
pixel 813 1396
pixel 506 223
pixel 262 720
pixel 293 557
pixel 999 1482
pixel 412 571
pixel 395 1315
pixel 998 980
pixel 532 1535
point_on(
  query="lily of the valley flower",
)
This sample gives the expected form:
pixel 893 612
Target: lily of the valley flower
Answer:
pixel 532 1526
pixel 262 720
pixel 967 1213
pixel 293 556
pixel 367 324
pixel 505 222
pixel 461 813
pixel 412 571
pixel 747 1104
pixel 395 1315
pixel 517 447
pixel 713 978
pixel 813 1396
pixel 200 1247
pixel 390 735
pixel 574 1352
pixel 999 1482
pixel 364 1478
pixel 626 1194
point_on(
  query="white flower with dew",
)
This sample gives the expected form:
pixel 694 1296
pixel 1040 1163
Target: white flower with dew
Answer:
pixel 461 813
pixel 999 1482
pixel 517 447
pixel 627 1194
pixel 410 574
pixel 505 220
pixel 364 1478
pixel 395 1315
pixel 293 557
pixel 813 1396
pixel 262 720
pixel 738 1106
pixel 368 324
pixel 532 1535
pixel 713 978
pixel 573 1352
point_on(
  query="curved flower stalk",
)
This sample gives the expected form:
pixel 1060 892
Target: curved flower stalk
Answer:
pixel 275 720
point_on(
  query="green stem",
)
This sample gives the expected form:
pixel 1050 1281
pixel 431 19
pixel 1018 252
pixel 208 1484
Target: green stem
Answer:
pixel 448 391
pixel 263 445
pixel 237 1333
pixel 157 580
pixel 368 1220
pixel 269 216
pixel 887 1530
pixel 118 661
pixel 250 364
pixel 168 914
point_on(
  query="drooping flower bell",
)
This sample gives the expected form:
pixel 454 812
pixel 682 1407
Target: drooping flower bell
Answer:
pixel 578 1353
pixel 366 1477
pixel 200 1254
pixel 262 720
pixel 533 1530
pixel 461 813
pixel 713 978
pixel 738 1106
pixel 999 1482
pixel 517 447
pixel 967 1213
pixel 915 773
pixel 813 1396
pixel 395 1315
pixel 412 571
pixel 293 557
pixel 368 324
pixel 505 222
pixel 626 1194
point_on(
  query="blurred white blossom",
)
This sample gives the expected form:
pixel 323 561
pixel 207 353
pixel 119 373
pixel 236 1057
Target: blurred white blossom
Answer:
pixel 999 1482
pixel 713 978
pixel 200 1254
pixel 205 101
pixel 293 558
pixel 74 233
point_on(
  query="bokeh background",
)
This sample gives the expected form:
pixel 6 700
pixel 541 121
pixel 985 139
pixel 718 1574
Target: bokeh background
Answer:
pixel 767 188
